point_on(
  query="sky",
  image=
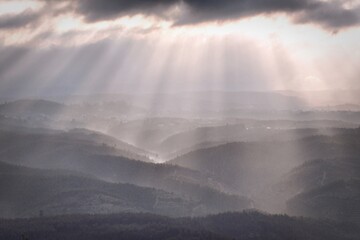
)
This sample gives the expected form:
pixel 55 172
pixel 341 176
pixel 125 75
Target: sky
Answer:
pixel 112 46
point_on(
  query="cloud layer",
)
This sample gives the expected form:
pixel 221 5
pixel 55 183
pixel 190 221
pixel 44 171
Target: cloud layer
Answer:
pixel 12 21
pixel 57 48
pixel 329 14
pixel 332 15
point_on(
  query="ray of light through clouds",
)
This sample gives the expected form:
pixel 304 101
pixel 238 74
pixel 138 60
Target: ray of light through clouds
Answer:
pixel 155 71
pixel 178 45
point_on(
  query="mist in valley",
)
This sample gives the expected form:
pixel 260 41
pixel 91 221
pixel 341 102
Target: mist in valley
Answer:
pixel 179 120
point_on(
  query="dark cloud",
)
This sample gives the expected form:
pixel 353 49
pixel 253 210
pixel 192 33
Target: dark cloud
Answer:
pixel 212 10
pixel 330 14
pixel 12 21
pixel 95 10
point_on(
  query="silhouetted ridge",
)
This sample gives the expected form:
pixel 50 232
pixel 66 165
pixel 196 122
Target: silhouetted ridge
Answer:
pixel 235 226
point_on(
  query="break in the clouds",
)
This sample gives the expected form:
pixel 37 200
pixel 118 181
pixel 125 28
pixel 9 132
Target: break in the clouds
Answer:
pixel 85 46
pixel 329 14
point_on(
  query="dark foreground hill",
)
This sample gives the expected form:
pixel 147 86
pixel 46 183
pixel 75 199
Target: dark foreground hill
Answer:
pixel 244 226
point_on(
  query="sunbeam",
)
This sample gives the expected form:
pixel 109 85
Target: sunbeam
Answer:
pixel 179 119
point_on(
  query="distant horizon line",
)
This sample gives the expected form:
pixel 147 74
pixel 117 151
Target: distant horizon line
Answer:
pixel 180 91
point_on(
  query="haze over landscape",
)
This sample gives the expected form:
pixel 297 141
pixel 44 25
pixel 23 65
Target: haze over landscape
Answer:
pixel 180 119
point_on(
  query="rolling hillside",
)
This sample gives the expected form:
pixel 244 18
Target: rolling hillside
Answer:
pixel 337 200
pixel 26 192
pixel 319 172
pixel 79 152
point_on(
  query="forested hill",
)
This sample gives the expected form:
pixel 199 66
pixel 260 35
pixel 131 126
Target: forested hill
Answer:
pixel 244 226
